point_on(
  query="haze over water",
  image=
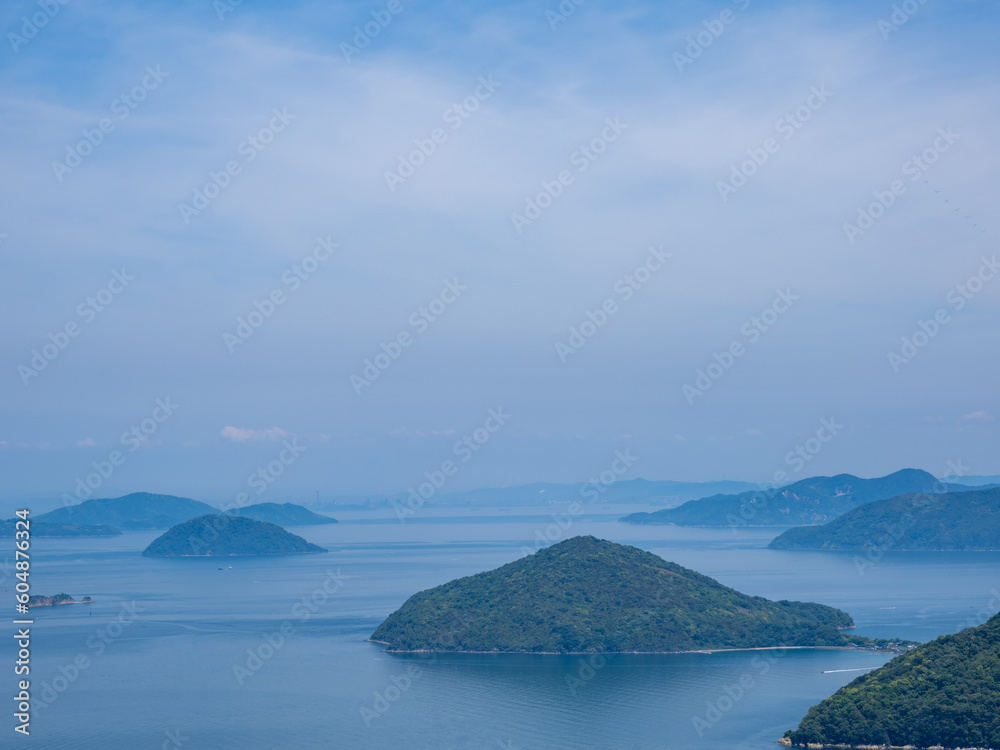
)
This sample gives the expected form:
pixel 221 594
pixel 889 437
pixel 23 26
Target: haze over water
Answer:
pixel 171 670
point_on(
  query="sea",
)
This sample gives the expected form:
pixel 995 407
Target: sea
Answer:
pixel 247 653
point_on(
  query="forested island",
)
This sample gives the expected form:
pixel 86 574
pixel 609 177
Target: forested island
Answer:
pixel 967 521
pixel 139 510
pixel 282 514
pixel 591 595
pixel 943 694
pixel 809 501
pixel 217 535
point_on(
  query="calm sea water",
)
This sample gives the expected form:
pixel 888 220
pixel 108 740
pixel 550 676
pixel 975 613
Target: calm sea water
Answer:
pixel 159 673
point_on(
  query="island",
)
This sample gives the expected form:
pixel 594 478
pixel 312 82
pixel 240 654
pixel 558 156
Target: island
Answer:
pixel 809 501
pixel 953 521
pixel 139 510
pixel 55 601
pixel 282 514
pixel 227 536
pixel 588 595
pixel 41 528
pixel 943 694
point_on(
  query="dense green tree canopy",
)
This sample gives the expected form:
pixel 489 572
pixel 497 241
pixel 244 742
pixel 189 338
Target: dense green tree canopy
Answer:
pixel 587 595
pixel 945 693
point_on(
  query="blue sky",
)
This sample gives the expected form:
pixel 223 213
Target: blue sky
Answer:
pixel 529 97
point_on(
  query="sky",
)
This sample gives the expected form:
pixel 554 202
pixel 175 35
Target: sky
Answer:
pixel 354 241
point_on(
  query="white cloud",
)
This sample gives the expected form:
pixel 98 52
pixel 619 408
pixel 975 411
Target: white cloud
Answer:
pixel 977 416
pixel 240 434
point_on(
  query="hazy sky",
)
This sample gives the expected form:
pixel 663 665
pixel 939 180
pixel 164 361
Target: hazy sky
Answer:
pixel 490 174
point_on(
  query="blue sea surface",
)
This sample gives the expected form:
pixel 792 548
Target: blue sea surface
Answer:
pixel 175 653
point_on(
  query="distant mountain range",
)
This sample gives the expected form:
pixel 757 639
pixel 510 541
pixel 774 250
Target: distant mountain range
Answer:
pixel 140 510
pixel 283 514
pixel 664 493
pixel 942 694
pixel 227 536
pixel 809 501
pixel 974 480
pixel 968 520
pixel 591 595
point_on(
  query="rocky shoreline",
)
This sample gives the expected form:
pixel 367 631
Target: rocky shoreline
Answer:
pixel 788 743
pixel 55 601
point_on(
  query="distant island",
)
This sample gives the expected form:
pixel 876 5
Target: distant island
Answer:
pixel 139 510
pixel 661 493
pixel 283 514
pixel 55 601
pixel 943 694
pixel 590 595
pixel 809 501
pixel 224 536
pixel 968 521
pixel 41 528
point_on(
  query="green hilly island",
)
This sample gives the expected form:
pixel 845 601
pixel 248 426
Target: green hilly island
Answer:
pixel 139 510
pixel 591 595
pixel 225 536
pixel 968 521
pixel 808 501
pixel 282 514
pixel 943 694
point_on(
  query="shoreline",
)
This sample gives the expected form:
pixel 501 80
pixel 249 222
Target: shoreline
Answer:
pixel 636 653
pixel 38 605
pixel 785 742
